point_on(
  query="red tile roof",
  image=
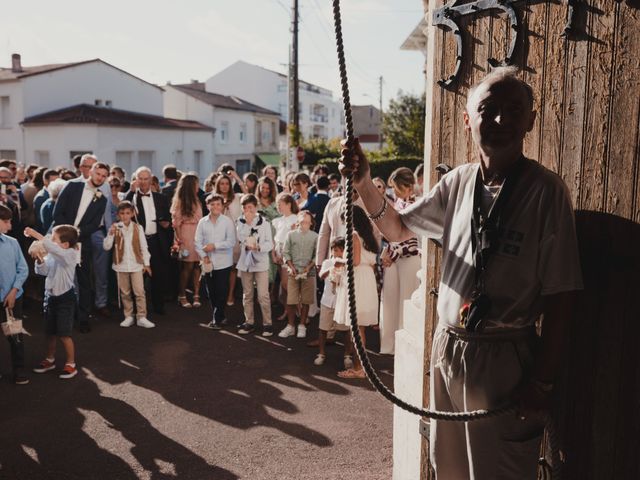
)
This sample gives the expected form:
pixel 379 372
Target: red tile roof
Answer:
pixel 197 90
pixel 87 114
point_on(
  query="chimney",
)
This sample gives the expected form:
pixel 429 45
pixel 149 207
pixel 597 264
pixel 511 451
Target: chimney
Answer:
pixel 16 65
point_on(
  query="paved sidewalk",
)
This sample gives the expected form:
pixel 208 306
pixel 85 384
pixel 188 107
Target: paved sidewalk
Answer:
pixel 184 402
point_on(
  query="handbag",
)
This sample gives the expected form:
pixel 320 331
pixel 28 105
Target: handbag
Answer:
pixel 12 326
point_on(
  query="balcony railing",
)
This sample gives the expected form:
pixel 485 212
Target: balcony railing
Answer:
pixel 319 118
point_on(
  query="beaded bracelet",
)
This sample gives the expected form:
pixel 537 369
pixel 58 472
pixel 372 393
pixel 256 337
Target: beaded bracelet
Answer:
pixel 378 215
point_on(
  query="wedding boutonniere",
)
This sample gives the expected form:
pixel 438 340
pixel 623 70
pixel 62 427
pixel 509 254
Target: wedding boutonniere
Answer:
pixel 97 196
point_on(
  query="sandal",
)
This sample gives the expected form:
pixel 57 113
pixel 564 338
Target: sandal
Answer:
pixel 196 301
pixel 183 302
pixel 351 373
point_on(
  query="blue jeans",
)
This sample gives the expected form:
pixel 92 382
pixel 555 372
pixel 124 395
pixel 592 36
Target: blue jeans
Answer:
pixel 100 268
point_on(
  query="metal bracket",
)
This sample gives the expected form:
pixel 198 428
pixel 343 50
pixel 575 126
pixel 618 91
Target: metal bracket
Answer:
pixel 448 16
pixel 425 428
pixel 571 29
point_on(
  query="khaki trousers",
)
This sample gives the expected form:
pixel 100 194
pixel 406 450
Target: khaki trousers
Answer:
pixel 261 280
pixel 128 282
pixel 470 374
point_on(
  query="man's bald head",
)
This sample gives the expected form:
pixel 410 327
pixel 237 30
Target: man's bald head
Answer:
pixel 498 75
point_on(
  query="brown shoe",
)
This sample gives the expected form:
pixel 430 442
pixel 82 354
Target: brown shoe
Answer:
pixel 103 312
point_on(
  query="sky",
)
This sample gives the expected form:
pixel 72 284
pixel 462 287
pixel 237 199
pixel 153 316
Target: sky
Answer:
pixel 161 41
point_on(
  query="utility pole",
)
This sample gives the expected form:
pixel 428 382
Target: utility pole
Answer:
pixel 380 132
pixel 294 101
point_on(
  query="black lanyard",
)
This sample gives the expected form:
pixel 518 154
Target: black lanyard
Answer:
pixel 486 228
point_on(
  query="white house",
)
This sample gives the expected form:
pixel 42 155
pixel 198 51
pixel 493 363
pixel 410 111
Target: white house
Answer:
pixel 246 134
pixel 49 113
pixel 320 114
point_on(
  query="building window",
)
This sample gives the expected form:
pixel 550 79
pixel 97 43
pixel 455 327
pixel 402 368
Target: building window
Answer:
pixel 97 102
pixel 224 132
pixel 7 154
pixel 108 103
pixel 273 133
pixel 266 136
pixel 124 160
pixel 197 161
pixel 42 158
pixel 243 133
pixel 282 108
pixel 282 87
pixel 258 132
pixel 243 166
pixel 178 159
pixel 145 158
pixel 5 112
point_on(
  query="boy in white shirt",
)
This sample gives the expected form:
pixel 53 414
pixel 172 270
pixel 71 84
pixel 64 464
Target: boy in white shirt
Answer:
pixel 130 260
pixel 59 266
pixel 215 239
pixel 331 272
pixel 254 235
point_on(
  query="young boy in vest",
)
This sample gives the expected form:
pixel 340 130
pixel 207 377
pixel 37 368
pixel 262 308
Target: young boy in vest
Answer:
pixel 13 273
pixel 59 266
pixel 254 235
pixel 130 260
pixel 300 255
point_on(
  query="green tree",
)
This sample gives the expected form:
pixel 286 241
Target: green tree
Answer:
pixel 403 125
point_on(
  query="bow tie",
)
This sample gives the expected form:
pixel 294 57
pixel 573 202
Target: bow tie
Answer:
pixel 144 194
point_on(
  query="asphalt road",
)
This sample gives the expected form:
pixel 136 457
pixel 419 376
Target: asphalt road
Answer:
pixel 184 402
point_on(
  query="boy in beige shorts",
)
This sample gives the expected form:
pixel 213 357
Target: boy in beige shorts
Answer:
pixel 331 272
pixel 299 254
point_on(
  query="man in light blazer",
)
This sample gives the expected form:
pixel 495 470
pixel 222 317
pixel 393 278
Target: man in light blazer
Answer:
pixel 82 204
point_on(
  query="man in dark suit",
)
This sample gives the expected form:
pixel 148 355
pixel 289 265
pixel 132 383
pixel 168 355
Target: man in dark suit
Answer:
pixel 152 212
pixel 82 204
pixel 320 201
pixel 170 173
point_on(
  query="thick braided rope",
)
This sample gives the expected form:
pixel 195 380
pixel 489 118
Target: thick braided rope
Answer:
pixel 362 354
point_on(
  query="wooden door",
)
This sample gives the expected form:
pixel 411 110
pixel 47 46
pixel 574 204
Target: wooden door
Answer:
pixel 587 90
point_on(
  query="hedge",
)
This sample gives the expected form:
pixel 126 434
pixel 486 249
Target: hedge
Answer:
pixel 379 168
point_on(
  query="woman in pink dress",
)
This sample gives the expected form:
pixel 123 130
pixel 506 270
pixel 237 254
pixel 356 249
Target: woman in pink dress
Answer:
pixel 186 212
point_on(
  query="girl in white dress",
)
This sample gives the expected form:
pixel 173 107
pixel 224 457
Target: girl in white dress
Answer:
pixel 288 209
pixel 365 250
pixel 232 209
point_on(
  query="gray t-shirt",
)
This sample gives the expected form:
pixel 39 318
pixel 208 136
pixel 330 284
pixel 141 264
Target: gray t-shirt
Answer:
pixel 537 253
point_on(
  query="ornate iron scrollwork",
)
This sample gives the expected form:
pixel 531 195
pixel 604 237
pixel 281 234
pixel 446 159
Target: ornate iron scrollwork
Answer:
pixel 448 16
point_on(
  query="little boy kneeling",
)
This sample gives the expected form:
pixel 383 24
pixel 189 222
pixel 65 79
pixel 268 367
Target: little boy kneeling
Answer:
pixel 59 266
pixel 130 260
pixel 331 272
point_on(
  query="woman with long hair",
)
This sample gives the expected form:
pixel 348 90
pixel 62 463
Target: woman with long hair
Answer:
pixel 365 251
pixel 266 192
pixel 288 210
pixel 186 212
pixel 232 209
pixel 400 262
pixel 250 180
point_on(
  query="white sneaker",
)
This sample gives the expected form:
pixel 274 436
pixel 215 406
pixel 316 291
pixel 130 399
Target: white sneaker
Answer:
pixel 143 322
pixel 348 362
pixel 319 359
pixel 287 331
pixel 302 331
pixel 127 322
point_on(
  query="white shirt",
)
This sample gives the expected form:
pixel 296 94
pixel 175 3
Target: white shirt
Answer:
pixel 59 267
pixel 222 233
pixel 87 196
pixel 537 253
pixel 282 226
pixel 262 235
pixel 151 226
pixel 328 295
pixel 129 262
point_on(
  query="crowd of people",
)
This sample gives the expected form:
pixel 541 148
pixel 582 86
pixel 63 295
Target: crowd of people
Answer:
pixel 103 238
